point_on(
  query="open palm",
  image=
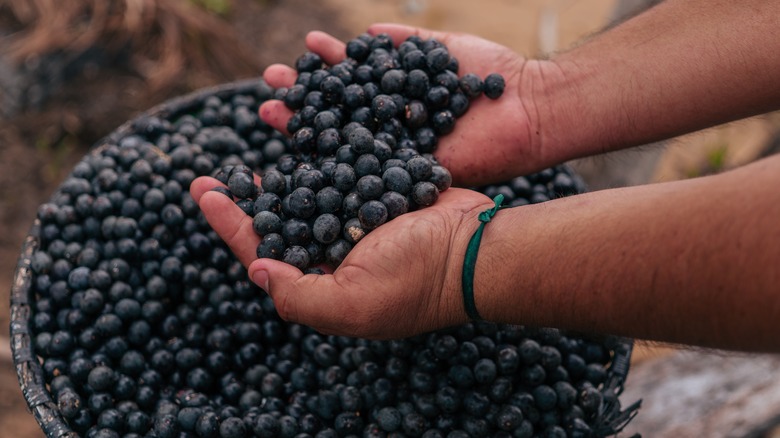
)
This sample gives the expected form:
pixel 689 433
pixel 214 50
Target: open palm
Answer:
pixel 493 141
pixel 402 279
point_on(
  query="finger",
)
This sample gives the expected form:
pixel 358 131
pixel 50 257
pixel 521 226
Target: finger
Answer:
pixel 280 75
pixel 314 300
pixel 231 223
pixel 400 32
pixel 201 185
pixel 276 114
pixel 331 49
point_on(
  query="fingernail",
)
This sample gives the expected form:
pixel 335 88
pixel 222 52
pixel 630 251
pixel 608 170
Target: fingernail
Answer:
pixel 261 279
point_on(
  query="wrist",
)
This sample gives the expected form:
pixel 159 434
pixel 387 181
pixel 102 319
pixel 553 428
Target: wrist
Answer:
pixel 564 123
pixel 503 270
pixel 488 283
pixel 466 223
pixel 508 286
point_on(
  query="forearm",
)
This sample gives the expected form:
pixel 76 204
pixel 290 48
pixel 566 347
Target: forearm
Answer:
pixel 679 67
pixel 690 262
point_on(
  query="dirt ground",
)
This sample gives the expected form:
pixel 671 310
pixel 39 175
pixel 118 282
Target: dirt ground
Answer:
pixel 39 147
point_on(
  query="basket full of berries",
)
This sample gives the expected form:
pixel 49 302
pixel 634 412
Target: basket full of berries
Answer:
pixel 131 317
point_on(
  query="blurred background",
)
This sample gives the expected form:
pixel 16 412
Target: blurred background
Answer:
pixel 72 71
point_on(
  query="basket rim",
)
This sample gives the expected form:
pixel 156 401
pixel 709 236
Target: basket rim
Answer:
pixel 28 368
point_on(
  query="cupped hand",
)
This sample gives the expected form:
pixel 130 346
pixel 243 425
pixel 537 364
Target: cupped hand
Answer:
pixel 401 279
pixel 494 141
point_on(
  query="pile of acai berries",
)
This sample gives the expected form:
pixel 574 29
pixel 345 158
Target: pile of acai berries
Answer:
pixel 146 324
pixel 362 135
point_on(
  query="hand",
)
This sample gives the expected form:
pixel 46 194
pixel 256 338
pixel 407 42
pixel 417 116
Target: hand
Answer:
pixel 494 141
pixel 401 279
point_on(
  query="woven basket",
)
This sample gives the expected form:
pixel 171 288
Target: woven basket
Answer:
pixel 28 367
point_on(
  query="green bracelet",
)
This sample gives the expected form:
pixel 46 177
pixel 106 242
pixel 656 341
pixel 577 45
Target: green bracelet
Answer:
pixel 470 261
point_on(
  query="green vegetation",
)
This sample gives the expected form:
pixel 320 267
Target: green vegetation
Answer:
pixel 219 7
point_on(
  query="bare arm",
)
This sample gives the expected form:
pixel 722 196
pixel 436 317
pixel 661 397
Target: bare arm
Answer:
pixel 692 262
pixel 679 67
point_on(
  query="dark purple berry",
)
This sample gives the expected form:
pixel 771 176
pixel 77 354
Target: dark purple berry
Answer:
pixel 297 256
pixel 443 122
pixel 372 214
pixel 232 427
pixel 357 49
pixel 336 252
pixel 389 419
pixel 328 200
pixel 351 205
pixel 304 140
pixel 344 177
pixel 332 89
pixel 355 96
pixel 417 84
pixel 69 403
pixel 494 85
pixel 397 179
pixel 426 139
pixel 328 142
pixel 296 232
pixel 440 177
pixel 437 97
pixel 419 168
pixel 367 164
pixel 415 114
pixel 425 193
pixel 328 118
pixel 370 187
pixel 361 140
pixel 393 81
pixel 354 231
pixel 459 104
pixel 384 107
pixel 545 397
pixel 326 228
pixel 266 222
pixel 267 202
pixel 396 204
pixel 271 246
pixel 295 96
pixel 302 202
pixel 308 62
pixel 471 85
pixel 414 59
pixel 437 59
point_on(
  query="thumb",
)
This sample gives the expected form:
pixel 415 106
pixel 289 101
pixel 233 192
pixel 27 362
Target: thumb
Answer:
pixel 307 299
